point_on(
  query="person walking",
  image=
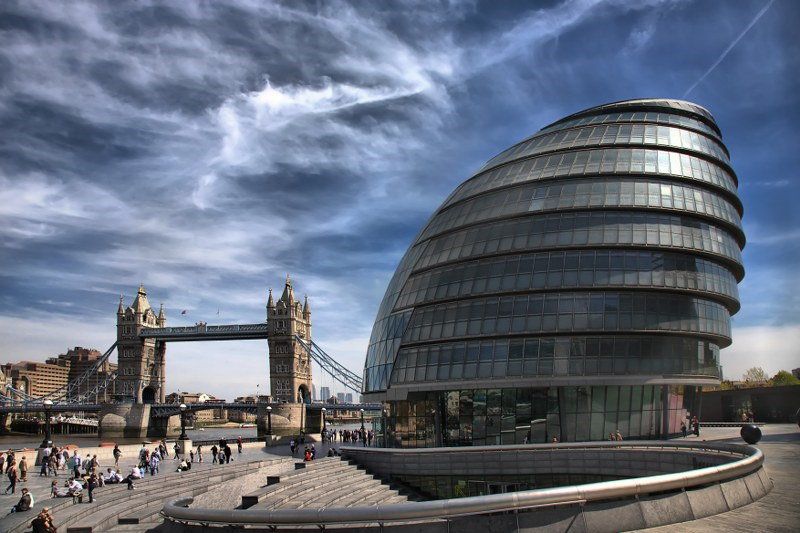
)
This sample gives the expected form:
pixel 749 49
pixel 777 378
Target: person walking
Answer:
pixel 154 460
pixel 23 469
pixel 213 453
pixel 11 472
pixel 239 443
pixel 293 446
pixel 43 467
pixel 76 464
pixel 176 448
pixel 117 454
pixel 228 453
pixel 91 484
pixel 684 430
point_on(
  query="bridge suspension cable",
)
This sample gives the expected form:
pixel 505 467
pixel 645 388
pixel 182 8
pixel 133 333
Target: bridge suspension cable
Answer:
pixel 69 393
pixel 340 373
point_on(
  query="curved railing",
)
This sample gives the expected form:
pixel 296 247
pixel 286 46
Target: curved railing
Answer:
pixel 750 461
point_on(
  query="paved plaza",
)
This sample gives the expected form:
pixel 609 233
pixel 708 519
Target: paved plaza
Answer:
pixel 778 511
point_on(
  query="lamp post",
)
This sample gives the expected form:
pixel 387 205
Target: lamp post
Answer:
pixel 269 420
pixel 324 423
pixel 183 422
pixel 362 420
pixel 48 437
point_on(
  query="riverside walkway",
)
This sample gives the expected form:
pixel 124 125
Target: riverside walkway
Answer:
pixel 777 511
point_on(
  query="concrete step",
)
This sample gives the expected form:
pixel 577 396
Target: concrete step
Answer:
pixel 105 512
pixel 327 466
pixel 353 498
pixel 302 486
pixel 326 492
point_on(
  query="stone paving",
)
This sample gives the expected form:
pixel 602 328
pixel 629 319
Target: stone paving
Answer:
pixel 40 486
pixel 777 511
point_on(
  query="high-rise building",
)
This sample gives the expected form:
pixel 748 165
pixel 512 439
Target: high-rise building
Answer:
pixel 340 396
pixel 580 283
pixel 325 393
pixel 348 397
pixel 289 361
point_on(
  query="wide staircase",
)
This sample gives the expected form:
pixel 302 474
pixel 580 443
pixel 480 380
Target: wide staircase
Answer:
pixel 118 509
pixel 328 482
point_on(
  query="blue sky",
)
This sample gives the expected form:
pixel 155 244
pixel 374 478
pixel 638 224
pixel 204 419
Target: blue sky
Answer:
pixel 207 149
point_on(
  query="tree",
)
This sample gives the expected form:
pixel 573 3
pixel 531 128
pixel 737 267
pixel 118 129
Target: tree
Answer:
pixel 784 377
pixel 755 375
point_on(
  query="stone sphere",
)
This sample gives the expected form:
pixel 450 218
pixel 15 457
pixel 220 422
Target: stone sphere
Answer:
pixel 750 433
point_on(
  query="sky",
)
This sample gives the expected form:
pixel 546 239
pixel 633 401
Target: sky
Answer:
pixel 207 149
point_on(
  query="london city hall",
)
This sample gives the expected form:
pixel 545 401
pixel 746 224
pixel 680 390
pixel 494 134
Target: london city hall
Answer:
pixel 579 284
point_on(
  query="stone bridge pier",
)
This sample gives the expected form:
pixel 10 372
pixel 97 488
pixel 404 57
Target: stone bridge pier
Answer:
pixel 133 421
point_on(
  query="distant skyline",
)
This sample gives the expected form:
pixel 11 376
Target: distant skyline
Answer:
pixel 207 150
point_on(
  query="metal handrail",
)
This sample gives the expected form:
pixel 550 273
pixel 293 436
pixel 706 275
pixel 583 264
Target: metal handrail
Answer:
pixel 178 510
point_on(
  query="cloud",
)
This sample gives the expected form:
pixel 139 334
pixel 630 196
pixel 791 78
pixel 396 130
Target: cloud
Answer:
pixel 206 149
pixel 771 347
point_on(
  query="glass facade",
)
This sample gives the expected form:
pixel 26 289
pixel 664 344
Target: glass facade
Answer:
pixel 580 283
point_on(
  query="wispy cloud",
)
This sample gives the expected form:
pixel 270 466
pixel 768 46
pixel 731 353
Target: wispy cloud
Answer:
pixel 206 149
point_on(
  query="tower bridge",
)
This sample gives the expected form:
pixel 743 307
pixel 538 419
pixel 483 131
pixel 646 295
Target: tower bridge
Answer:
pixel 139 408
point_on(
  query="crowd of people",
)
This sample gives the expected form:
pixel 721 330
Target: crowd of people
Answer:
pixel 349 436
pixel 85 474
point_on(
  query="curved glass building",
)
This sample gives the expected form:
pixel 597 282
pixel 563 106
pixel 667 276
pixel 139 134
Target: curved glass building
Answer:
pixel 580 283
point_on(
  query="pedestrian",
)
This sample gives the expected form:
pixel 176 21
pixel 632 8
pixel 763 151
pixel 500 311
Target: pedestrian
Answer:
pixel 191 456
pixel 91 485
pixel 684 430
pixel 154 460
pixel 292 446
pixel 23 469
pixel 76 464
pixel 611 436
pixel 199 453
pixel 95 464
pixel 3 460
pixel 176 448
pixel 117 454
pixel 228 453
pixel 10 459
pixel 43 467
pixel 618 435
pixel 213 453
pixel 11 472
pixel 25 502
pixel 239 443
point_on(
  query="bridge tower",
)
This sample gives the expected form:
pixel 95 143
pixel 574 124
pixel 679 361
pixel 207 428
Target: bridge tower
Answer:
pixel 141 371
pixel 289 362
